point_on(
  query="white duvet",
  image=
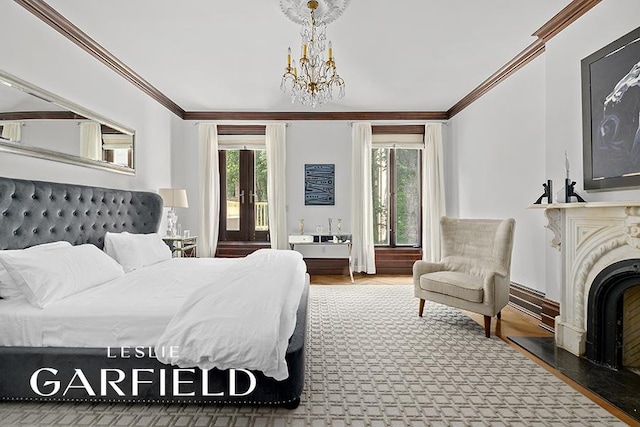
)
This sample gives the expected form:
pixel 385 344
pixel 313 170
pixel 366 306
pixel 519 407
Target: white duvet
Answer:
pixel 246 323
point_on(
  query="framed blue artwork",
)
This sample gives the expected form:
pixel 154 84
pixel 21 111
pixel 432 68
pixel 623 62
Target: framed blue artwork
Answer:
pixel 319 185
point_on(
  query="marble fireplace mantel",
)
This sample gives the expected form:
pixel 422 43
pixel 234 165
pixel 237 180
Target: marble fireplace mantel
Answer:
pixel 590 236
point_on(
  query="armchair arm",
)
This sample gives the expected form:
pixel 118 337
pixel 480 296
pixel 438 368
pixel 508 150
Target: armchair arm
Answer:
pixel 424 267
pixel 496 289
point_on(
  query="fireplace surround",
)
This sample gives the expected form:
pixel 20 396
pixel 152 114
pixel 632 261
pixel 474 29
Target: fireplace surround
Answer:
pixel 599 243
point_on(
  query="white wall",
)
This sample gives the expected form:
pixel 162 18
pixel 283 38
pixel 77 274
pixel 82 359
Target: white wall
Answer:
pixel 307 142
pixel 603 24
pixel 41 56
pixel 506 144
pixel 494 159
pixel 318 142
pixel 58 135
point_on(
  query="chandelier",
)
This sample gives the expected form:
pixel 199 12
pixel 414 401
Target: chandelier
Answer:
pixel 313 80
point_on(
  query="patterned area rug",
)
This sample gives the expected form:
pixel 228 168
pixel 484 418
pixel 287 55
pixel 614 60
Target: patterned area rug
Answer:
pixel 371 361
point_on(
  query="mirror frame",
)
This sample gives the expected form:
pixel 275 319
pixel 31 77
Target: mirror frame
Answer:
pixel 47 154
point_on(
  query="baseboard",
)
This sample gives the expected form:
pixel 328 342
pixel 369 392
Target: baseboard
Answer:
pixel 535 304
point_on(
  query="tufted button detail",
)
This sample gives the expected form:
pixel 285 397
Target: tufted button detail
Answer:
pixel 15 232
pixel 45 213
pixel 60 213
pixel 93 226
pixel 34 197
pixel 81 199
pixel 52 197
pixel 104 225
pixel 4 213
pixel 66 197
pixel 52 230
pixel 82 227
pixel 13 196
pixel 67 228
pixel 35 231
pixel 27 213
pixel 75 213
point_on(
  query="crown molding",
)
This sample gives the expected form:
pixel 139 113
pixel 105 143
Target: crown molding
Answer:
pixel 312 115
pixel 523 58
pixel 564 18
pixel 55 20
pixel 41 115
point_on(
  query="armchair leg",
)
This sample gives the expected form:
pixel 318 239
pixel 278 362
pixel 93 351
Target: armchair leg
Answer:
pixel 499 315
pixel 421 307
pixel 487 326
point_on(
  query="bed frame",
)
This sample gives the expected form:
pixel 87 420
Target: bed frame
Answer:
pixel 36 212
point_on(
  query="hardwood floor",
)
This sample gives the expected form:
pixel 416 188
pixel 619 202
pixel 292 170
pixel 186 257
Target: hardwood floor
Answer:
pixel 513 323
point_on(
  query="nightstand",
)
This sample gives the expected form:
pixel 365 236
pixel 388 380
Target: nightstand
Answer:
pixel 182 246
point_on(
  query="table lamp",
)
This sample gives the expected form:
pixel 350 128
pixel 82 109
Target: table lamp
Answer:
pixel 173 198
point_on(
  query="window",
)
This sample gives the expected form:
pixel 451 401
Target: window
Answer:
pixel 395 181
pixel 244 214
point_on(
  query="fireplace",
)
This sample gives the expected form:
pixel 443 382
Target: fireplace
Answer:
pixel 599 243
pixel 612 316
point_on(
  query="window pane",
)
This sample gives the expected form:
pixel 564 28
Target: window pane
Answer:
pixel 121 156
pixel 233 190
pixel 408 197
pixel 380 188
pixel 260 190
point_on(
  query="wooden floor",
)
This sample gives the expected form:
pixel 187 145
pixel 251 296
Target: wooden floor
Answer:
pixel 513 323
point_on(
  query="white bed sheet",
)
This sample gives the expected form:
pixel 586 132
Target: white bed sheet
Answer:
pixel 130 311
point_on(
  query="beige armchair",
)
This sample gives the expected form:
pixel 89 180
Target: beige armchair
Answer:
pixel 474 272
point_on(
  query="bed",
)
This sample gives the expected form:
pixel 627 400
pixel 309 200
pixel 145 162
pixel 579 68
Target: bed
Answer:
pixel 77 350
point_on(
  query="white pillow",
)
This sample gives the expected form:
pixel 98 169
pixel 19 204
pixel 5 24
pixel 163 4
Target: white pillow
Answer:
pixel 48 276
pixel 133 251
pixel 8 288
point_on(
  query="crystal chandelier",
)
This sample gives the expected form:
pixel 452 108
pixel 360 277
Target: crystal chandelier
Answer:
pixel 313 82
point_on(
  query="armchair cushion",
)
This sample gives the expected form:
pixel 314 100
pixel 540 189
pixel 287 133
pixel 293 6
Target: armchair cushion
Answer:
pixel 458 285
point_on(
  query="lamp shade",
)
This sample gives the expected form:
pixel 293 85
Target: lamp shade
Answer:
pixel 174 197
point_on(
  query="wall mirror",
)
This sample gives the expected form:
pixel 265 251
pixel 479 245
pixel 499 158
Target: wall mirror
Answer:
pixel 38 123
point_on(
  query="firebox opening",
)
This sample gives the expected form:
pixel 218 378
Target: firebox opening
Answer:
pixel 613 316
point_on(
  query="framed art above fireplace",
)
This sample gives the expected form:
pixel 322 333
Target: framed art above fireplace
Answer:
pixel 611 115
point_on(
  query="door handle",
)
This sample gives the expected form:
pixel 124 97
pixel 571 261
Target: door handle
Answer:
pixel 242 196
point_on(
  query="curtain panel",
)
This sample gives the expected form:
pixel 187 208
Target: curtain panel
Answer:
pixel 362 251
pixel 91 140
pixel 277 184
pixel 433 200
pixel 209 172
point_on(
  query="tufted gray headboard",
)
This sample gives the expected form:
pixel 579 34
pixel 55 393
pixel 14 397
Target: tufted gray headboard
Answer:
pixel 35 212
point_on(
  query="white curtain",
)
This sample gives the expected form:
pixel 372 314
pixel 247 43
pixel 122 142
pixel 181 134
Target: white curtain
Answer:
pixel 362 252
pixel 209 169
pixel 11 130
pixel 433 200
pixel 90 140
pixel 277 184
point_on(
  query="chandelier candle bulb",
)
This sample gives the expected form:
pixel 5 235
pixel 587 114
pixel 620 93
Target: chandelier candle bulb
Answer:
pixel 289 58
pixel 330 51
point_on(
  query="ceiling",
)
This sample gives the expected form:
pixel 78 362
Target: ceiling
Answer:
pixel 405 55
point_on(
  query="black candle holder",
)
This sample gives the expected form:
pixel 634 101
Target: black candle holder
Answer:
pixel 548 193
